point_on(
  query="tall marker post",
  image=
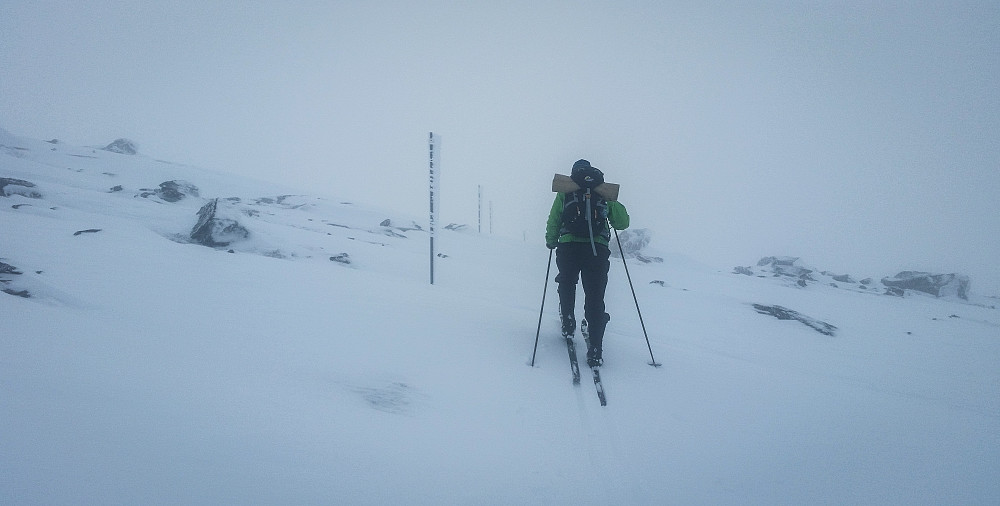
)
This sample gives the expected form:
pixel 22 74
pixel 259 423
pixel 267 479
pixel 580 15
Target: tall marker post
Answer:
pixel 433 187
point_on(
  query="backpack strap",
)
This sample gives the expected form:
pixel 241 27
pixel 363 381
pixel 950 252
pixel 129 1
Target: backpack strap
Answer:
pixel 590 223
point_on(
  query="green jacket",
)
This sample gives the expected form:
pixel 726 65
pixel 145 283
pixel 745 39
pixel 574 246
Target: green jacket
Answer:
pixel 617 215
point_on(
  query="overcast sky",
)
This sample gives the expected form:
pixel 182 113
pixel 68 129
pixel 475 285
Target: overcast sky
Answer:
pixel 862 136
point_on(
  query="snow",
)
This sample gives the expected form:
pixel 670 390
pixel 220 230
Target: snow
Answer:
pixel 147 370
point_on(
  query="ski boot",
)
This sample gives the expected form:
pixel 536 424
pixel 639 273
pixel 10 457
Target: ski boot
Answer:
pixel 594 358
pixel 568 326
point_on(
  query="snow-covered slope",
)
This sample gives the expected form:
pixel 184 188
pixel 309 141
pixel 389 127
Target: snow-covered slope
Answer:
pixel 145 369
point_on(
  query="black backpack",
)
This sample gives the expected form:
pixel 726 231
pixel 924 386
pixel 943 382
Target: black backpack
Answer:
pixel 585 213
pixel 575 214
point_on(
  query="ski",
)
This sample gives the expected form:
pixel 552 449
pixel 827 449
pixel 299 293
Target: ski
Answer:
pixel 595 370
pixel 573 364
pixel 599 385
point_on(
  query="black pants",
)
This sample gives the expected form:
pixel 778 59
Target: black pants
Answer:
pixel 576 260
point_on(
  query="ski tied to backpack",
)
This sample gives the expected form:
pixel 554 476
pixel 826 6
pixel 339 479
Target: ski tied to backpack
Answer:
pixel 595 370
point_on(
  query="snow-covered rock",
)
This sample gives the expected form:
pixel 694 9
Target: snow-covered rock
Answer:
pixel 633 243
pixel 787 266
pixel 11 186
pixel 173 191
pixel 216 231
pixel 938 285
pixel 123 146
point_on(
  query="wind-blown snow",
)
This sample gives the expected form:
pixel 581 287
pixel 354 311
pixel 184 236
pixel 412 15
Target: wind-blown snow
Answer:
pixel 147 370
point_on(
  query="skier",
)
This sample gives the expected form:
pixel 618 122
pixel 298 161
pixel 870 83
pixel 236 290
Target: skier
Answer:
pixel 584 254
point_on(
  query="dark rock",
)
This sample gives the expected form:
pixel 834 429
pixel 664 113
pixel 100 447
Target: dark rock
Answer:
pixel 6 268
pixel 10 186
pixel 658 282
pixel 7 273
pixel 935 284
pixel 19 293
pixel 743 270
pixel 173 191
pixel 88 231
pixel 866 281
pixel 123 146
pixel 895 291
pixel 783 313
pixel 342 258
pixel 843 278
pixel 215 231
pixel 116 188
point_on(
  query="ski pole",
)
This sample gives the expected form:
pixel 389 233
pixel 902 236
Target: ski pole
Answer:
pixel 542 309
pixel 653 363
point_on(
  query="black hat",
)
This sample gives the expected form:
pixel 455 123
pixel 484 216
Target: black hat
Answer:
pixel 586 175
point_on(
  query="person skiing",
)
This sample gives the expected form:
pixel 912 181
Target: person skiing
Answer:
pixel 578 229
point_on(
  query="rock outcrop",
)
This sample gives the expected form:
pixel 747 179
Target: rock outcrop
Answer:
pixel 123 146
pixel 633 242
pixel 10 186
pixel 173 191
pixel 938 285
pixel 787 266
pixel 216 231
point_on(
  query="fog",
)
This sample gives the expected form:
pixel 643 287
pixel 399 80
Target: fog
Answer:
pixel 863 137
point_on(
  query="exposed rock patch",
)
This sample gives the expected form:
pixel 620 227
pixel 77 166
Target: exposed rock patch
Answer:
pixel 171 191
pixel 783 313
pixel 8 274
pixel 342 258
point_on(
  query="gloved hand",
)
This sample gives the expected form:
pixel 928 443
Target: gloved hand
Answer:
pixel 551 245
